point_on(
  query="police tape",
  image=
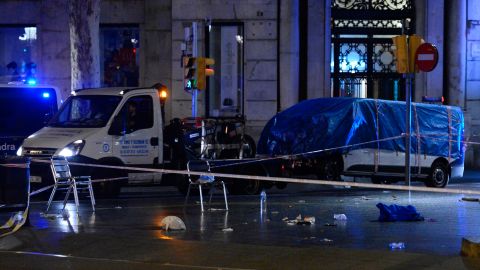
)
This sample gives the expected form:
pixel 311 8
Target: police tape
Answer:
pixel 281 179
pixel 15 222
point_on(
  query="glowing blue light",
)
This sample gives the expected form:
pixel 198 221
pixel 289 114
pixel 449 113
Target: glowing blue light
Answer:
pixel 32 82
pixel 46 95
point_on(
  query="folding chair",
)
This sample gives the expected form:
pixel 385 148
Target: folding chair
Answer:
pixel 207 180
pixel 63 177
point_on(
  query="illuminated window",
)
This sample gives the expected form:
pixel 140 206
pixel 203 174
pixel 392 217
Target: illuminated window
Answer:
pixel 17 53
pixel 119 55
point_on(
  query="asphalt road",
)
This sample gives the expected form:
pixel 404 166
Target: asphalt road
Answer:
pixel 125 233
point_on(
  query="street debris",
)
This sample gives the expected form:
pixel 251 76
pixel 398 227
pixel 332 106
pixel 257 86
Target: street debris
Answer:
pixel 299 220
pixel 301 201
pixel 118 207
pixel 469 199
pixel 275 212
pixel 365 198
pixel 172 223
pixel 227 229
pixel 339 217
pixel 327 240
pixel 399 245
pixel 330 224
pixel 50 216
pixel 396 212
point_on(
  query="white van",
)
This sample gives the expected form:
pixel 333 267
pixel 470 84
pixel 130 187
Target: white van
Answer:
pixel 111 126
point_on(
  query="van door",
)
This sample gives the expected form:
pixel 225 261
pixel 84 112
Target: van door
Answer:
pixel 139 143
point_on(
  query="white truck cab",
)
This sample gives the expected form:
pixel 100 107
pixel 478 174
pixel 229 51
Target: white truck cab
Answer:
pixel 111 126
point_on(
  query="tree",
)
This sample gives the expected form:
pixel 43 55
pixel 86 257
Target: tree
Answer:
pixel 84 20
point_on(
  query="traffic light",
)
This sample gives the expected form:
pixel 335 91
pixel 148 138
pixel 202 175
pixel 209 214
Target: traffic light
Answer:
pixel 414 42
pixel 204 71
pixel 189 73
pixel 401 53
pixel 401 42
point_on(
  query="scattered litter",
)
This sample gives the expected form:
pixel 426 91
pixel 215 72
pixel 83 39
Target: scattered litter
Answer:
pixel 216 209
pixel 274 212
pixel 327 240
pixel 255 220
pixel 301 201
pixel 227 229
pixel 396 212
pixel 386 191
pixel 290 206
pixel 394 197
pixel 245 223
pixel 399 245
pixel 309 219
pixel 312 237
pixel 118 207
pixel 172 223
pixel 365 198
pixel 49 216
pixel 468 199
pixel 330 224
pixel 299 220
pixel 339 217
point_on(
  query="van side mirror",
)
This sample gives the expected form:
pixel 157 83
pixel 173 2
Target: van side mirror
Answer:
pixel 116 127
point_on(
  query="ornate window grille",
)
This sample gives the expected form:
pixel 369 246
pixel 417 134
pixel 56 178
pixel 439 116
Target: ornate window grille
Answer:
pixel 363 62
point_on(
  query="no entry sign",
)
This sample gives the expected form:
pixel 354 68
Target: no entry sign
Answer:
pixel 426 57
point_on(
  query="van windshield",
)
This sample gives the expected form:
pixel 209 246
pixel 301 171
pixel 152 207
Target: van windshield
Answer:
pixel 85 111
pixel 24 110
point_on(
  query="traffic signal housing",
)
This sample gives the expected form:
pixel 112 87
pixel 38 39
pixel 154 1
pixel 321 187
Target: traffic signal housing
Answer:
pixel 400 43
pixel 189 73
pixel 203 71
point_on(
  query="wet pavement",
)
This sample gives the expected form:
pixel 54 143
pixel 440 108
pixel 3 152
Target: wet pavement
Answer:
pixel 126 233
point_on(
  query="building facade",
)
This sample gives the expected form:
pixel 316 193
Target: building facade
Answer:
pixel 269 54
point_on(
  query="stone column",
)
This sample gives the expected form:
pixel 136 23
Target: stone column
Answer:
pixel 289 53
pixel 54 46
pixel 455 61
pixel 84 20
pixel 318 48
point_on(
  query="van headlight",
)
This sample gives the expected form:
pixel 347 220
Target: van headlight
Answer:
pixel 20 151
pixel 72 149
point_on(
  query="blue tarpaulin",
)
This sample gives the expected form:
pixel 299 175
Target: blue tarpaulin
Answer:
pixel 327 123
pixel 396 212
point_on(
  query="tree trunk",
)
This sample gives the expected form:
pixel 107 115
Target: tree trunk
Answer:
pixel 84 20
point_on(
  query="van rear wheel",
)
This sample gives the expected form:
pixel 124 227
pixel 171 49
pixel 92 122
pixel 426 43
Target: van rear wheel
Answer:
pixel 439 175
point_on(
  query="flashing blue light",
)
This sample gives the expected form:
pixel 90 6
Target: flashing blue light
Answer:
pixel 31 82
pixel 46 95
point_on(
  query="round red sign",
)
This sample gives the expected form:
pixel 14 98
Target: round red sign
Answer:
pixel 426 57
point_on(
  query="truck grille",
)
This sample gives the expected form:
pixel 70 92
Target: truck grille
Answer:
pixel 39 152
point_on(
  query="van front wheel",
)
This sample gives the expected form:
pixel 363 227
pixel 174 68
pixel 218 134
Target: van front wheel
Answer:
pixel 439 175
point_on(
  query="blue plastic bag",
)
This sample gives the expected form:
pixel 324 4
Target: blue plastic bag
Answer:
pixel 396 212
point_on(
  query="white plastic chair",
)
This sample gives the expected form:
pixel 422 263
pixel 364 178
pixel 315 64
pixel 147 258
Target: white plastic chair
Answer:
pixel 63 177
pixel 207 180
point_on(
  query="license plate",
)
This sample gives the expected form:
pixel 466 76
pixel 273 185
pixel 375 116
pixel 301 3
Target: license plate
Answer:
pixel 35 179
